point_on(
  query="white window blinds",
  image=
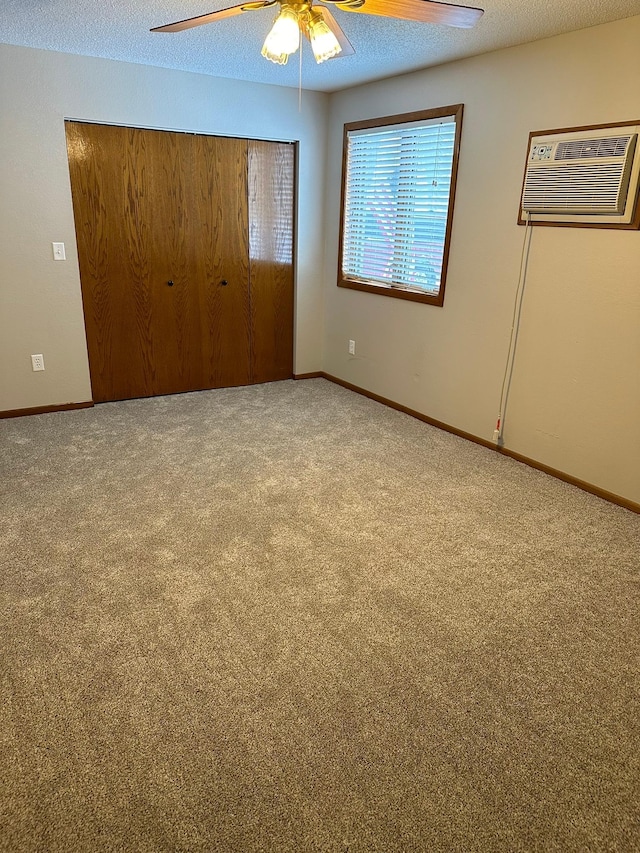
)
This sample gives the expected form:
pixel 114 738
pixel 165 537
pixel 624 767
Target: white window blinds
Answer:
pixel 398 184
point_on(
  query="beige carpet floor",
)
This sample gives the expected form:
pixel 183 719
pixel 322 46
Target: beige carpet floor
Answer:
pixel 286 618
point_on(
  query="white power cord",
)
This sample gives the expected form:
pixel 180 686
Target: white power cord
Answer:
pixel 515 328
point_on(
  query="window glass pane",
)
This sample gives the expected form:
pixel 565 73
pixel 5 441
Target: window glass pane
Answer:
pixel 396 203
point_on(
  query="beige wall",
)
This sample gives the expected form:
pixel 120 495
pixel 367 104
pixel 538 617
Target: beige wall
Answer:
pixel 575 400
pixel 40 301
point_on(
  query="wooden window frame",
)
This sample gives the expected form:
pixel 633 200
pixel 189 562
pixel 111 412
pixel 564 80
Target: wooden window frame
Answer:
pixel 399 291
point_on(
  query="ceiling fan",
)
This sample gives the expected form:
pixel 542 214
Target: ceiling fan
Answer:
pixel 317 24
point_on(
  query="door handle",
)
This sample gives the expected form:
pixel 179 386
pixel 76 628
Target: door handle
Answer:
pixel 170 283
pixel 224 282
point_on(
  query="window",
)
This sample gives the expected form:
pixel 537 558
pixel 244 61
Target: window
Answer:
pixel 398 187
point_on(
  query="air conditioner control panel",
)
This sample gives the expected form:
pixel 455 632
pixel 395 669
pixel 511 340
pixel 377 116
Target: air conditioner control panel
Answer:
pixel 540 152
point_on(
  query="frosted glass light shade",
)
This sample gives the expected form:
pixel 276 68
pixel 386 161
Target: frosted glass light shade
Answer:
pixel 283 38
pixel 323 42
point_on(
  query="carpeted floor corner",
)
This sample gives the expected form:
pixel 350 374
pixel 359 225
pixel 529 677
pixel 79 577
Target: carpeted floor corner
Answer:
pixel 285 618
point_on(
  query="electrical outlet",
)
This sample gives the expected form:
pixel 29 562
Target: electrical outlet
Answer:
pixel 37 362
pixel 352 347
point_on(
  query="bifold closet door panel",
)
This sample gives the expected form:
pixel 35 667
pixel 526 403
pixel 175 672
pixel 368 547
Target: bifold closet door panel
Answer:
pixel 132 198
pixel 117 312
pixel 271 171
pixel 222 246
pixel 171 219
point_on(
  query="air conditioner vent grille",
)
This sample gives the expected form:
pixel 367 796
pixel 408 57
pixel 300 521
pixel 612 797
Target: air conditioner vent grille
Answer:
pixel 581 149
pixel 576 188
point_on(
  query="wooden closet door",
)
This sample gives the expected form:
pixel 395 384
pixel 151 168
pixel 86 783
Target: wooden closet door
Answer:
pixel 168 218
pixel 132 199
pixel 271 239
pixel 161 222
pixel 185 245
pixel 222 246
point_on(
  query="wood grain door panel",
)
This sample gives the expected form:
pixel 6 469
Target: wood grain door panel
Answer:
pixel 271 238
pixel 222 245
pixel 108 250
pixel 132 196
pixel 171 221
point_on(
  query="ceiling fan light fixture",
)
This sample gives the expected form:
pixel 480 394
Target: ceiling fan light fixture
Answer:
pixel 323 42
pixel 283 38
pixel 317 24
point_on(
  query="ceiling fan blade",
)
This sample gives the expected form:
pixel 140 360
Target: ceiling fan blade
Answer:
pixel 425 11
pixel 178 26
pixel 347 48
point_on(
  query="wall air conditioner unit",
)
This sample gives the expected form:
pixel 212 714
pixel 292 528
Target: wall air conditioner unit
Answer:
pixel 583 176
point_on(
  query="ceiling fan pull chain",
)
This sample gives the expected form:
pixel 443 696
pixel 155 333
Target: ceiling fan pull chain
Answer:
pixel 300 85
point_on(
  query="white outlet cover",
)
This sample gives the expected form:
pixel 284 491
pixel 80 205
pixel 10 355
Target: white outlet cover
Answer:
pixel 59 253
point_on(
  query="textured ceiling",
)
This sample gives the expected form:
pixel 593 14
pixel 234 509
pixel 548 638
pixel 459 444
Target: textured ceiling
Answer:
pixel 119 29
